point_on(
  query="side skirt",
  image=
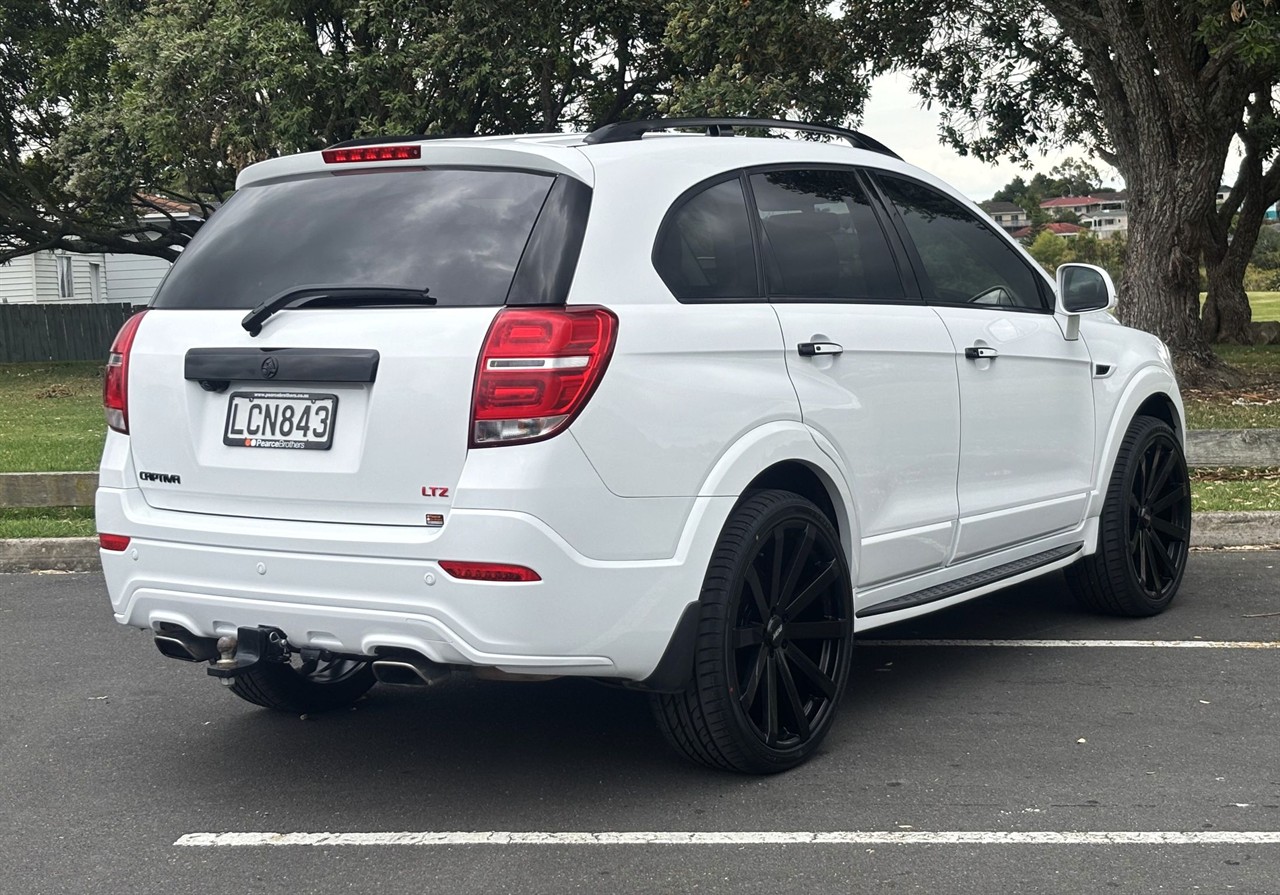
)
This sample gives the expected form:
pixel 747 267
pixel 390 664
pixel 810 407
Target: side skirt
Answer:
pixel 972 582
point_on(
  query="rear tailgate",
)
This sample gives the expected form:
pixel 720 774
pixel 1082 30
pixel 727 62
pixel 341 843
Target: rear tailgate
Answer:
pixel 347 406
pixel 397 445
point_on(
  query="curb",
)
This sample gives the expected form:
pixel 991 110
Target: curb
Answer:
pixel 49 555
pixel 1256 529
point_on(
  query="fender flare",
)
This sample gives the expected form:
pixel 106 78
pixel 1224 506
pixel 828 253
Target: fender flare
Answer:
pixel 1149 380
pixel 782 441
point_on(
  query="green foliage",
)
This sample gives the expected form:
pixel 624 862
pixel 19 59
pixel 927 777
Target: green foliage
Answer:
pixel 1051 251
pixel 738 57
pixel 173 97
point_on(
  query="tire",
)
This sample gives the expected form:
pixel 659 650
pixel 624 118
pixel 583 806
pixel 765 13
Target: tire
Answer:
pixel 1145 528
pixel 331 684
pixel 774 641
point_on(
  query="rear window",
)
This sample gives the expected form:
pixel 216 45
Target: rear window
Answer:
pixel 459 233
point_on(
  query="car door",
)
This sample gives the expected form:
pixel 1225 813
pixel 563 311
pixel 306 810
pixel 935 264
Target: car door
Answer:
pixel 1026 395
pixel 873 367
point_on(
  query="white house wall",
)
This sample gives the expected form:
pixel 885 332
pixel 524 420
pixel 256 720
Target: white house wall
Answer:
pixel 17 285
pixel 133 278
pixel 46 276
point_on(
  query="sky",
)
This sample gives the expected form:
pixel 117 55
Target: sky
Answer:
pixel 895 116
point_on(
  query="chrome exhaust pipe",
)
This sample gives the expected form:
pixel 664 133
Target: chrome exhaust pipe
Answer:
pixel 177 642
pixel 409 669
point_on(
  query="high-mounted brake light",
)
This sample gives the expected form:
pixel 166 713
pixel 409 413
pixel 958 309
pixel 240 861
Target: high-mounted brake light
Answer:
pixel 488 571
pixel 115 384
pixel 537 369
pixel 371 154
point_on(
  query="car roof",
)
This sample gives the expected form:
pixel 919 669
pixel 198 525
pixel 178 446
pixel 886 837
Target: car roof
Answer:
pixel 647 154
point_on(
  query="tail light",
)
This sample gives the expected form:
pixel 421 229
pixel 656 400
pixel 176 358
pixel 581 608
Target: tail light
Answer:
pixel 115 385
pixel 537 370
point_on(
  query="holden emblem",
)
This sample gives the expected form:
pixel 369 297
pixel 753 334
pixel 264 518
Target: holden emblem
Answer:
pixel 270 367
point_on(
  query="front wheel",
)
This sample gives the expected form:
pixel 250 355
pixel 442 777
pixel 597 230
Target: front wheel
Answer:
pixel 1145 529
pixel 774 641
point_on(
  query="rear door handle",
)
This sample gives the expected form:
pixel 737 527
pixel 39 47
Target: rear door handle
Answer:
pixel 974 352
pixel 814 349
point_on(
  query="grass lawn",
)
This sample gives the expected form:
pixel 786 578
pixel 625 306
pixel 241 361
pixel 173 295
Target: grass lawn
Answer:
pixel 1265 305
pixel 50 417
pixel 1255 406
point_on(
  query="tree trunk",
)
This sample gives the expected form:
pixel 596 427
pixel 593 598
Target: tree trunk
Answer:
pixel 1227 314
pixel 1160 287
pixel 1234 233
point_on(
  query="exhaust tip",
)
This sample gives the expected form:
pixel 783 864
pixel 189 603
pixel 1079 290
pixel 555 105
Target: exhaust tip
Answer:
pixel 178 643
pixel 410 670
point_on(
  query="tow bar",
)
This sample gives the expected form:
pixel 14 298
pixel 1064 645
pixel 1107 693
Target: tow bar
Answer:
pixel 248 648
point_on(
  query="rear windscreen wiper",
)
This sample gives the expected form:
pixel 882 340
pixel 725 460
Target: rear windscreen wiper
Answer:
pixel 334 296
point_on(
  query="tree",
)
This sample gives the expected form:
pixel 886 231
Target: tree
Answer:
pixel 187 92
pixel 1157 89
pixel 1074 177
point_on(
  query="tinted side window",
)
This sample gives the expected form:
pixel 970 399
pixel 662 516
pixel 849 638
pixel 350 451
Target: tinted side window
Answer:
pixel 963 260
pixel 705 250
pixel 822 238
pixel 458 233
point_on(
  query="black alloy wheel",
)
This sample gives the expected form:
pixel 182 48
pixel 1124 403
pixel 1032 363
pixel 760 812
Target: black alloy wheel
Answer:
pixel 1145 530
pixel 1158 518
pixel 774 641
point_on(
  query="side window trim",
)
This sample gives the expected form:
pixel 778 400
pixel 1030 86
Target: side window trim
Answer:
pixel 926 284
pixel 906 276
pixel 923 283
pixel 668 221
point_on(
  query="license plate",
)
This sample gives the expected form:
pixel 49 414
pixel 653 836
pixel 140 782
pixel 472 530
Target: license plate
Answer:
pixel 290 420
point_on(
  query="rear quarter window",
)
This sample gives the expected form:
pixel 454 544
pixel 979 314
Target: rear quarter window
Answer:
pixel 459 233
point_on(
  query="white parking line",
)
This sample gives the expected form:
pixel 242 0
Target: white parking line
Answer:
pixel 846 837
pixel 1128 644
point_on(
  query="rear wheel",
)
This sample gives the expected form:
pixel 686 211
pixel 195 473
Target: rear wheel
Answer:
pixel 319 685
pixel 774 641
pixel 1145 529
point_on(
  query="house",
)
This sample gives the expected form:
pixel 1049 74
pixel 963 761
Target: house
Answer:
pixel 1062 205
pixel 51 276
pixel 1007 215
pixel 1057 228
pixel 1105 213
pixel 1110 216
pixel 58 276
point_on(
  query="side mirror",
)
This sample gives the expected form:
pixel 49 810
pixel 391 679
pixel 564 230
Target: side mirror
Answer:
pixel 1083 288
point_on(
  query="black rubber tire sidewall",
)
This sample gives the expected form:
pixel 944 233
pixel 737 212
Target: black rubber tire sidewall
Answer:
pixel 277 686
pixel 706 721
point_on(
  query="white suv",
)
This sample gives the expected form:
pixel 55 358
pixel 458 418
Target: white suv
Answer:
pixel 686 411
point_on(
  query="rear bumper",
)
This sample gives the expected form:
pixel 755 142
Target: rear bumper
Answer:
pixel 361 588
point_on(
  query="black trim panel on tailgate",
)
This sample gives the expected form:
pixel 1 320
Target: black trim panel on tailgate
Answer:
pixel 220 365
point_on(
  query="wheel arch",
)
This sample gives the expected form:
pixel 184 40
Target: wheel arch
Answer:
pixel 785 455
pixel 1152 391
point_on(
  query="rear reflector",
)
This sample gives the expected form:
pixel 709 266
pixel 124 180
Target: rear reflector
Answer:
pixel 537 370
pixel 113 542
pixel 371 154
pixel 488 571
pixel 115 384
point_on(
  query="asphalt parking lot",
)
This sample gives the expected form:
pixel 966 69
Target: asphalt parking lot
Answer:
pixel 1133 762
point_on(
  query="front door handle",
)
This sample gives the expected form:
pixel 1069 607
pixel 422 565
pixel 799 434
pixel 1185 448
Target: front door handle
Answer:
pixel 976 352
pixel 814 349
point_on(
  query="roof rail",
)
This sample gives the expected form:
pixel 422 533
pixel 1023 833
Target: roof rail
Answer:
pixel 397 138
pixel 624 131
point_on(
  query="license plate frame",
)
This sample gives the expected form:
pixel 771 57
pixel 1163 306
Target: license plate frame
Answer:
pixel 268 435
